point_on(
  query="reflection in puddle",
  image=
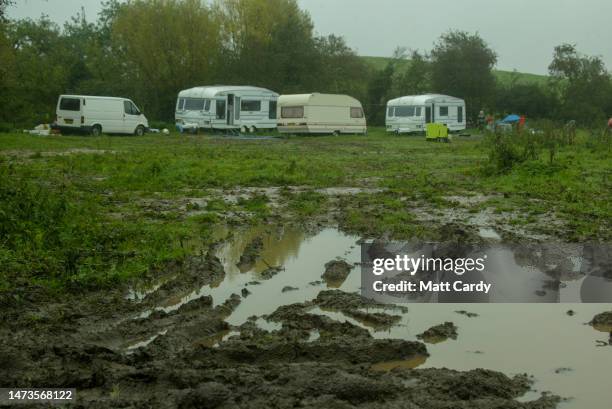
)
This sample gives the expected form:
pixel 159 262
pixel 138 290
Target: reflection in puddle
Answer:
pixel 511 338
pixel 405 364
pixel 603 328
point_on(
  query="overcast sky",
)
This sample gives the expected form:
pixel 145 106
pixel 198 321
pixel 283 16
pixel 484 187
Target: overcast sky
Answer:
pixel 522 32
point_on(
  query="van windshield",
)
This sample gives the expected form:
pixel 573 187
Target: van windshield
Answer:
pixel 194 104
pixel 292 112
pixel 70 104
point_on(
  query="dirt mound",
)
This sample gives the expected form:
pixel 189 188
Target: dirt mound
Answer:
pixel 340 300
pixel 603 319
pixel 336 272
pixel 439 333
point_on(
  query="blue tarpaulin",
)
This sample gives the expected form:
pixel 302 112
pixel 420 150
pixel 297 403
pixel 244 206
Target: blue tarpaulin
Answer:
pixel 511 119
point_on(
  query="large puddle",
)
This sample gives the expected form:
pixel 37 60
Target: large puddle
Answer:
pixel 542 340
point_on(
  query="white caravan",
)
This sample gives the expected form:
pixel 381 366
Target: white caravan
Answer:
pixel 320 113
pixel 412 113
pixel 99 114
pixel 226 107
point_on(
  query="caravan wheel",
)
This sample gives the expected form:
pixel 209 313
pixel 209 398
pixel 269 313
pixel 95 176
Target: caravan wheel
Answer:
pixel 336 133
pixel 252 129
pixel 243 129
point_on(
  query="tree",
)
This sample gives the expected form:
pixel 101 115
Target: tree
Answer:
pixel 379 90
pixel 342 71
pixel 40 70
pixel 531 100
pixel 3 6
pixel 8 78
pixel 268 43
pixel 416 77
pixel 164 46
pixel 582 83
pixel 461 66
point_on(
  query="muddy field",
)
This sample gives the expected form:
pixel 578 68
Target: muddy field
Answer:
pixel 259 305
pixel 271 317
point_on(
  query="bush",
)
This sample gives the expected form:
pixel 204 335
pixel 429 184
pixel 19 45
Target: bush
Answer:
pixel 505 152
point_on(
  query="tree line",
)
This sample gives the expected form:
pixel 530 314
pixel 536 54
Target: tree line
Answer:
pixel 148 50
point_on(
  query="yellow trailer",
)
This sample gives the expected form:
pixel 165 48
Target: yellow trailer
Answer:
pixel 436 132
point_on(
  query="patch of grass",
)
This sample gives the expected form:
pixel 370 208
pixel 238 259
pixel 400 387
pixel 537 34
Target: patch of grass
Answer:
pixel 306 203
pixel 84 212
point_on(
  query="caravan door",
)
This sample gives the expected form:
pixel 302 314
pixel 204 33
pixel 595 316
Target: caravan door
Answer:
pixel 230 109
pixel 237 107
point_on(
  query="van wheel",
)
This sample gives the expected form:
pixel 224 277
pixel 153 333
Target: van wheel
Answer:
pixel 96 130
pixel 252 129
pixel 140 131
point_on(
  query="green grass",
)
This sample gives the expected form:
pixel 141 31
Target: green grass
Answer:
pixel 84 213
pixel 503 77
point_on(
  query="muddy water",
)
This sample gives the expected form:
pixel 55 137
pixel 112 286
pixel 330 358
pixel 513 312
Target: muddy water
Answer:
pixel 539 339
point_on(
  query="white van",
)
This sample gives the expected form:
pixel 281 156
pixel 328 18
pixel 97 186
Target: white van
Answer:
pixel 320 114
pixel 412 113
pixel 99 114
pixel 226 107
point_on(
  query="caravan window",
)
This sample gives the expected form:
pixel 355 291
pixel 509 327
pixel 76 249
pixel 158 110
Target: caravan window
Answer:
pixel 180 105
pixel 443 111
pixel 70 104
pixel 194 104
pixel 207 105
pixel 272 111
pixel 356 113
pixel 250 105
pixel 292 112
pixel 220 109
pixel 404 111
pixel 418 111
pixel 390 111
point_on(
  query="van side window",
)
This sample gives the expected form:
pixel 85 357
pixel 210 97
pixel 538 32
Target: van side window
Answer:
pixel 246 105
pixel 443 111
pixel 356 112
pixel 292 112
pixel 130 108
pixel 272 111
pixel 220 109
pixel 70 104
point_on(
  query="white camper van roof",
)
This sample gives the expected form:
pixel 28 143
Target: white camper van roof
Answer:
pixel 424 99
pixel 319 99
pixel 94 97
pixel 213 91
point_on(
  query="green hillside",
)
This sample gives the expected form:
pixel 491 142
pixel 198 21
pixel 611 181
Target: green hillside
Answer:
pixel 504 77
